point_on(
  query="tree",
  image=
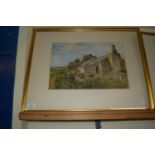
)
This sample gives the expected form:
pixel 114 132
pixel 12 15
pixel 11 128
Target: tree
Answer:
pixel 74 64
pixel 88 57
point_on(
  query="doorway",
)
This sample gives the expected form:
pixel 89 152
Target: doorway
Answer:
pixel 8 48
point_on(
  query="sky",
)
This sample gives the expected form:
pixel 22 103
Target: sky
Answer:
pixel 64 53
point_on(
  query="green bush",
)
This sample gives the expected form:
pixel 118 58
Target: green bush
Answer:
pixel 62 81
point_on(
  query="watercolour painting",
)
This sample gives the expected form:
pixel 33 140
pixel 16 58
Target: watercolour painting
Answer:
pixel 88 66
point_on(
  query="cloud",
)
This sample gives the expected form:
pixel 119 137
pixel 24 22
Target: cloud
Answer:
pixel 63 53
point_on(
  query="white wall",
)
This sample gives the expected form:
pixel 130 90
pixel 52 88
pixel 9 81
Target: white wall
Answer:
pixel 22 54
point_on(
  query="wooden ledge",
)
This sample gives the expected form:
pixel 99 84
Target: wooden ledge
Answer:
pixel 58 115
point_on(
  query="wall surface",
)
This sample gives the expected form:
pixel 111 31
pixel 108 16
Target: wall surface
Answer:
pixel 21 60
pixel 8 48
pixel 22 55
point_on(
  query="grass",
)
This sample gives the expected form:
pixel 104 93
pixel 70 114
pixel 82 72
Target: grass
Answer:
pixel 59 80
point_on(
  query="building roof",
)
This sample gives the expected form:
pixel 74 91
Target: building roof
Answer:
pixel 87 62
pixel 96 60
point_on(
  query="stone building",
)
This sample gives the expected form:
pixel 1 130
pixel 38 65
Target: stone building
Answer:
pixel 111 65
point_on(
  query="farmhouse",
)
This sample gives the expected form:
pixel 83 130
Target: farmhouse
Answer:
pixel 111 65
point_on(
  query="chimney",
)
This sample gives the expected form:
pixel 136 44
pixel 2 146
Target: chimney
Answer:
pixel 114 49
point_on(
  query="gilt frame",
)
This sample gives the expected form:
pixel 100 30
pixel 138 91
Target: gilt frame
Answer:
pixel 99 114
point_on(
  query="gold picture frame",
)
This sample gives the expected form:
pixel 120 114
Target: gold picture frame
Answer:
pixel 88 114
pixel 149 34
